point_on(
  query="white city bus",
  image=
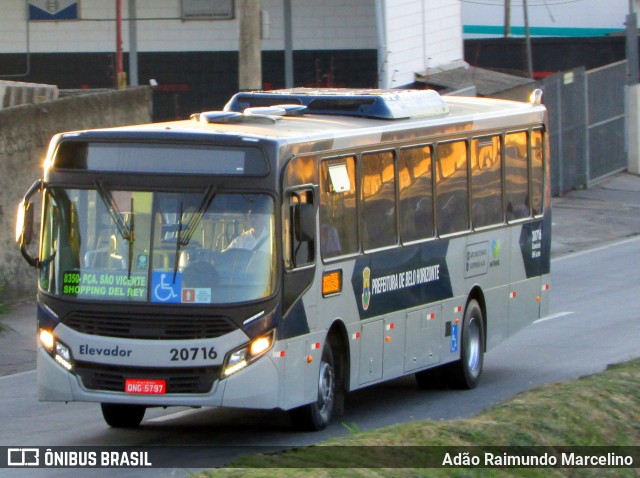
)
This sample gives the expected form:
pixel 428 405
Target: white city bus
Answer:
pixel 296 246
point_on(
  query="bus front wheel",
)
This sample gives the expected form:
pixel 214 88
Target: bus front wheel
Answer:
pixel 465 373
pixel 317 415
pixel 123 416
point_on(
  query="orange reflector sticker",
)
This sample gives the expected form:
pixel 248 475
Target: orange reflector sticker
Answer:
pixel 331 283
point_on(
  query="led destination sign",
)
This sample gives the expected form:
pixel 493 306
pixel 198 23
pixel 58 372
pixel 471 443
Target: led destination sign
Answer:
pixel 105 285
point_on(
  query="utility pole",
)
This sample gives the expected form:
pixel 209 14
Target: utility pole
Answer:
pixel 249 52
pixel 121 76
pixel 633 92
pixel 133 44
pixel 527 38
pixel 288 45
pixel 507 18
pixel 632 45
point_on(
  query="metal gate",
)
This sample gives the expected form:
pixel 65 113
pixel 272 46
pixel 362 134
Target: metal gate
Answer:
pixel 586 125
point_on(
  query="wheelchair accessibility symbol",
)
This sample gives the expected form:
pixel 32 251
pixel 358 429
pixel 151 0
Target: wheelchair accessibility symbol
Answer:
pixel 454 338
pixel 165 289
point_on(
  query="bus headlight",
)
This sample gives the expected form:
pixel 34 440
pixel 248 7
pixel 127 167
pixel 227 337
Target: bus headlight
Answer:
pixel 260 346
pixel 240 358
pixel 58 350
pixel 47 340
pixel 236 361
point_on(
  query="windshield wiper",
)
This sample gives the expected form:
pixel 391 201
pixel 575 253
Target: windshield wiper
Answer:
pixel 114 212
pixel 196 217
pixel 178 245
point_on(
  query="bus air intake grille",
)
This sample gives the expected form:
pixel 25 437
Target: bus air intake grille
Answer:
pixel 109 378
pixel 150 327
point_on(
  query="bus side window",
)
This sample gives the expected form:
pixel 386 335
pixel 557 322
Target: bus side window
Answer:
pixel 378 199
pixel 338 221
pixel 517 176
pixel 416 193
pixel 486 181
pixel 301 227
pixel 537 172
pixel 452 195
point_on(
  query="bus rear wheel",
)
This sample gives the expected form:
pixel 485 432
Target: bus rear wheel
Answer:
pixel 465 373
pixel 123 416
pixel 317 415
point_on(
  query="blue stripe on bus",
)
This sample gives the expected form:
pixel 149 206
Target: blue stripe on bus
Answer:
pixel 401 278
pixel 295 322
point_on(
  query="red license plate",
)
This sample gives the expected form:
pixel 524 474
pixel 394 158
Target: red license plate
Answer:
pixel 145 387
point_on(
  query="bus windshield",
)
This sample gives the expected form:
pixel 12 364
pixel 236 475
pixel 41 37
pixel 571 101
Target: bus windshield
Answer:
pixel 161 247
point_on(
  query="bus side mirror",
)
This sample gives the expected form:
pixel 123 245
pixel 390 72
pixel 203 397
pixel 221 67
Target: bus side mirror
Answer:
pixel 305 222
pixel 24 223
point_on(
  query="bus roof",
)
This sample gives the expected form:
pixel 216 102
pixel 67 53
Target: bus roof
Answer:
pixel 284 118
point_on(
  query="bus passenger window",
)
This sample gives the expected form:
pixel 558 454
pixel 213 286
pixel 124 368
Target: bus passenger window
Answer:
pixel 537 172
pixel 416 193
pixel 452 195
pixel 486 181
pixel 378 196
pixel 517 184
pixel 338 221
pixel 329 237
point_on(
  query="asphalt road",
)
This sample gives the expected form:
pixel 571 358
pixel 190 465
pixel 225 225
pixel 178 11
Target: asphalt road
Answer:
pixel 594 321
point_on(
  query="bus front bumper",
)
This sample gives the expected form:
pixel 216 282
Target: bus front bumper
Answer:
pixel 253 387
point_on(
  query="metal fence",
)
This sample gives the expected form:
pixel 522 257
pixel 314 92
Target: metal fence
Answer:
pixel 586 125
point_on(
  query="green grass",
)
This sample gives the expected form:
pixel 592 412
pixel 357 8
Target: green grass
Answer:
pixel 597 410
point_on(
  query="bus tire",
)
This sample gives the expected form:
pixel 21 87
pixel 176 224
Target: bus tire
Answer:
pixel 123 416
pixel 317 415
pixel 464 374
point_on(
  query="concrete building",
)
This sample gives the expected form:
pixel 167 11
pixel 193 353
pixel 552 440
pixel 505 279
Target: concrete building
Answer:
pixel 189 47
pixel 546 18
